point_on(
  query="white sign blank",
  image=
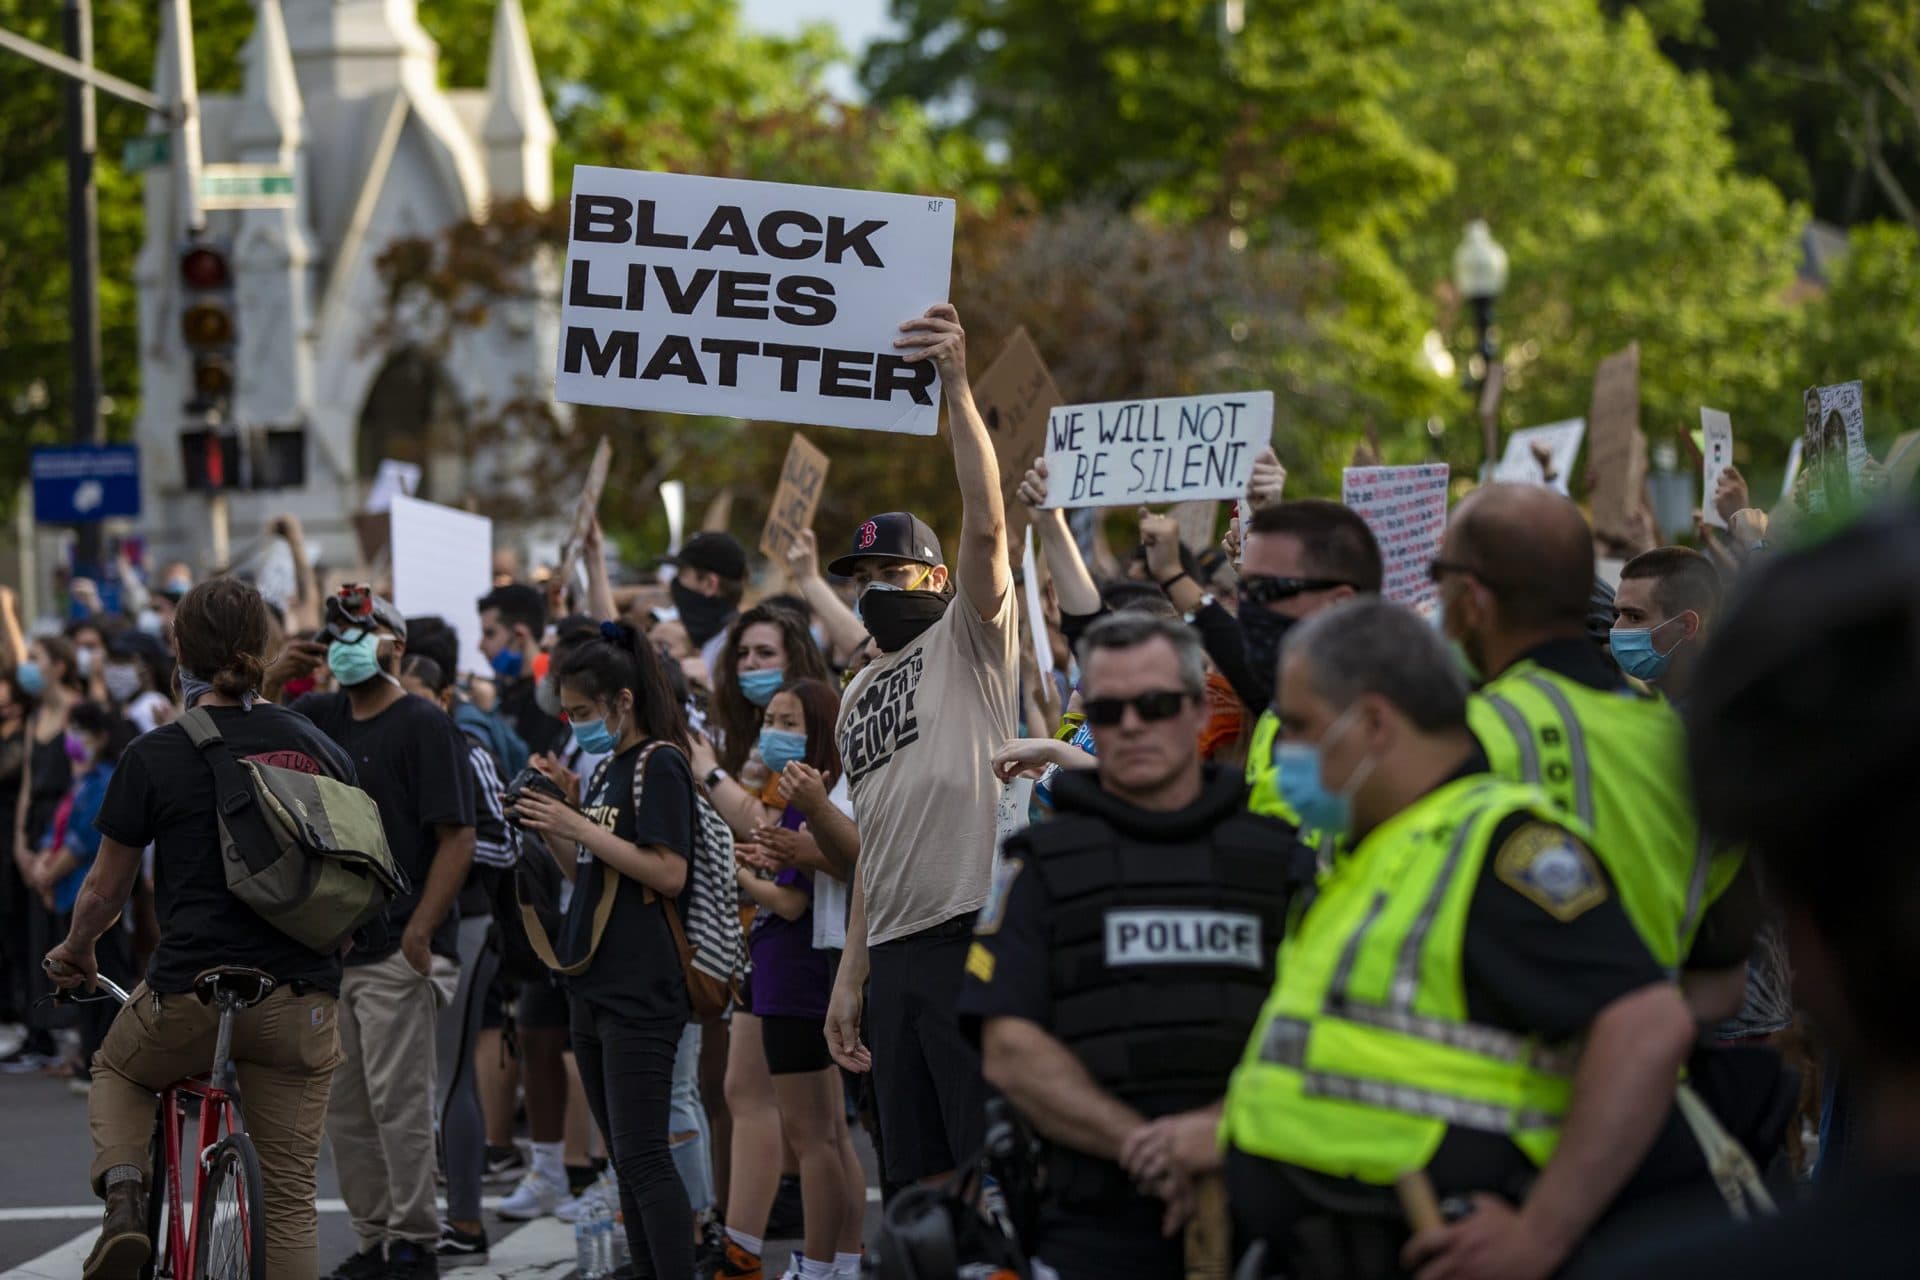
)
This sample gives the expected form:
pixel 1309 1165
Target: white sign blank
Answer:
pixel 442 565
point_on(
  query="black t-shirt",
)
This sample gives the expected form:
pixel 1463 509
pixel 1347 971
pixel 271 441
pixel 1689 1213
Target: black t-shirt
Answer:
pixel 162 794
pixel 636 972
pixel 1858 1226
pixel 540 731
pixel 412 760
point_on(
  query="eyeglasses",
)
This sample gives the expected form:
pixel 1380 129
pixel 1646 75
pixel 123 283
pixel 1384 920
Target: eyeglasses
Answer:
pixel 1438 569
pixel 1265 589
pixel 1162 704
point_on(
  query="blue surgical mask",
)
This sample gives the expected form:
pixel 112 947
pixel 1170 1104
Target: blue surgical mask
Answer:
pixel 1634 651
pixel 357 662
pixel 1302 786
pixel 758 687
pixel 31 679
pixel 593 737
pixel 507 663
pixel 782 747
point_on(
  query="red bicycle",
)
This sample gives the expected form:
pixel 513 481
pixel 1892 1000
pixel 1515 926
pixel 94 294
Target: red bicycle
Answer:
pixel 227 1239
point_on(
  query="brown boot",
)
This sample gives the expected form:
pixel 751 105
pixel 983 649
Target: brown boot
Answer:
pixel 123 1247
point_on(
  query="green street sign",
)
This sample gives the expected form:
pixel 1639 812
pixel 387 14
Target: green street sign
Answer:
pixel 245 186
pixel 146 151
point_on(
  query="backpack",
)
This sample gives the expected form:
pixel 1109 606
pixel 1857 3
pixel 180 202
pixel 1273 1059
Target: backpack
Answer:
pixel 712 948
pixel 495 734
pixel 307 852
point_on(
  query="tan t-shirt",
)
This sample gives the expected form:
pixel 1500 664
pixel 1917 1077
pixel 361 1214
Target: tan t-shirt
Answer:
pixel 918 730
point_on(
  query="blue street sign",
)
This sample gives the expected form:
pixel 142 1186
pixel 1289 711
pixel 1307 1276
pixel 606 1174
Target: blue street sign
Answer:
pixel 82 484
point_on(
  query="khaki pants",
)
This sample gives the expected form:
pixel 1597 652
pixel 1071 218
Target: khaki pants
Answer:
pixel 380 1118
pixel 285 1050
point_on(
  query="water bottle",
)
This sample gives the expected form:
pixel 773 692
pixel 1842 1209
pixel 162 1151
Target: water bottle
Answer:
pixel 602 1239
pixel 584 1259
pixel 619 1258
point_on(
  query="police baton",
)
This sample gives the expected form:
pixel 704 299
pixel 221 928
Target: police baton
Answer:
pixel 1209 1242
pixel 1418 1202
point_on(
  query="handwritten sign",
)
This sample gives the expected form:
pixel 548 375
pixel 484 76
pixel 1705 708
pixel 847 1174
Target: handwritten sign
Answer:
pixel 1716 455
pixel 756 300
pixel 1542 455
pixel 442 565
pixel 1014 397
pixel 1619 455
pixel 1836 448
pixel 1180 449
pixel 803 478
pixel 1406 507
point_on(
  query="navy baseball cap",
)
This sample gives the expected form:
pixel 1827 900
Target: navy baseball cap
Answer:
pixel 894 536
pixel 719 553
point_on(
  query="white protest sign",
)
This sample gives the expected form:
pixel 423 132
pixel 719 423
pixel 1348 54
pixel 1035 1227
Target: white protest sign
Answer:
pixel 1406 508
pixel 1542 455
pixel 393 479
pixel 1036 609
pixel 1836 428
pixel 1794 454
pixel 442 565
pixel 1180 449
pixel 1716 455
pixel 754 300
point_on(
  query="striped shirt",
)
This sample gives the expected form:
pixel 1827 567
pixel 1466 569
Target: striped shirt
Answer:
pixel 495 843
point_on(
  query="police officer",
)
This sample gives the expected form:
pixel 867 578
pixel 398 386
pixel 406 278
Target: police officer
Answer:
pixel 1465 993
pixel 1126 948
pixel 1515 573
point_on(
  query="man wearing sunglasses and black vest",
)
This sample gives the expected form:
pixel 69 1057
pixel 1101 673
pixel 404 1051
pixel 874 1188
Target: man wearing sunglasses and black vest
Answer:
pixel 1125 951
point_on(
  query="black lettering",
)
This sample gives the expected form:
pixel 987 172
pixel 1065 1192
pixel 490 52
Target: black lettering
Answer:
pixel 789 358
pixel 743 295
pixel 1156 936
pixel 674 357
pixel 770 235
pixel 636 286
pixel 580 288
pixel 681 301
pixel 895 374
pixel 727 226
pixel 1219 936
pixel 729 350
pixel 623 346
pixel 645 234
pixel 602 219
pixel 840 239
pixel 1129 934
pixel 843 373
pixel 809 301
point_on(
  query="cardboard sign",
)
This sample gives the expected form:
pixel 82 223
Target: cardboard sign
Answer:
pixel 1014 397
pixel 750 299
pixel 1406 507
pixel 1619 456
pixel 1836 443
pixel 1036 609
pixel 1542 455
pixel 442 565
pixel 1716 455
pixel 1180 449
pixel 584 509
pixel 803 478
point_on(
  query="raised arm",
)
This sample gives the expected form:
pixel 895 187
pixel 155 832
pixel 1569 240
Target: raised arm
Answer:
pixel 13 642
pixel 599 587
pixel 1072 583
pixel 983 568
pixel 844 631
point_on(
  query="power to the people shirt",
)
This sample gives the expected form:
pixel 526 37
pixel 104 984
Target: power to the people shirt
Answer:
pixel 918 729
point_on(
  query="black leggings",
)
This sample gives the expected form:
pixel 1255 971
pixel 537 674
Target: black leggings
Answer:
pixel 627 1071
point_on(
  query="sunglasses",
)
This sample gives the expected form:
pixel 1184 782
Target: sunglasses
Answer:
pixel 1151 707
pixel 1438 569
pixel 1265 589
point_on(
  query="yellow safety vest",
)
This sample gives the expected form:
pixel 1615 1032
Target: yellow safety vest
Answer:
pixel 1263 775
pixel 1616 762
pixel 1363 1055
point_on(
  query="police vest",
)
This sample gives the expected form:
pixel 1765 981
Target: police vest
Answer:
pixel 1616 763
pixel 1363 1054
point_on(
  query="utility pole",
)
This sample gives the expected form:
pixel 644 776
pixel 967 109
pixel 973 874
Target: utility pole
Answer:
pixel 83 257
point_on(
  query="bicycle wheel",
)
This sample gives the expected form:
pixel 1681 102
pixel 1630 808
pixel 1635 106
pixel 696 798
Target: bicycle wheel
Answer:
pixel 230 1223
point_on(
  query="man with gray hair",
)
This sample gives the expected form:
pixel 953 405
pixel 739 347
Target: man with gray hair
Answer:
pixel 1464 997
pixel 1126 946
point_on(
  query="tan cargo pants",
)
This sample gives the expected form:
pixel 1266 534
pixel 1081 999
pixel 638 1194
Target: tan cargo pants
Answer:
pixel 285 1050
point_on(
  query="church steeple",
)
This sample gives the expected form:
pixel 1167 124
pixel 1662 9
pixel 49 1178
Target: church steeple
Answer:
pixel 271 118
pixel 517 132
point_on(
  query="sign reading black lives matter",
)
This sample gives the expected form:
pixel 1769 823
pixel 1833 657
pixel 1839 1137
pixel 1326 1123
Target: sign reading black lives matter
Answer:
pixel 750 299
pixel 1180 449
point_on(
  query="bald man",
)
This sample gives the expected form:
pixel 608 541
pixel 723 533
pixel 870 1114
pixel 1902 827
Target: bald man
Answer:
pixel 1515 573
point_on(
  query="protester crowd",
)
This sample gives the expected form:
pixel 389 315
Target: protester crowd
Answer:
pixel 1271 895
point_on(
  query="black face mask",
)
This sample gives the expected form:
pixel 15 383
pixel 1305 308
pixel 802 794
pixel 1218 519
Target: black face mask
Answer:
pixel 1262 631
pixel 895 619
pixel 704 617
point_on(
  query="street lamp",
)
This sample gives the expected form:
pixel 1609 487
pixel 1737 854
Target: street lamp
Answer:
pixel 1480 273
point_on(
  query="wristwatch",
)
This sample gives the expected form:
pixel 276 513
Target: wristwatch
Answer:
pixel 714 777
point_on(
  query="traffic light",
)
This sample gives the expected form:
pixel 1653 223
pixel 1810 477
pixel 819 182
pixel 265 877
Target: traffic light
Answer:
pixel 207 324
pixel 211 460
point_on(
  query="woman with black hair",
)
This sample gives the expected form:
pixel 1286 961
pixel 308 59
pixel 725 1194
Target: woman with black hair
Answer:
pixel 50 679
pixel 632 838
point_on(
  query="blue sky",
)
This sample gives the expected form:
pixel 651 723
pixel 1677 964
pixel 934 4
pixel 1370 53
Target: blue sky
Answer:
pixel 858 21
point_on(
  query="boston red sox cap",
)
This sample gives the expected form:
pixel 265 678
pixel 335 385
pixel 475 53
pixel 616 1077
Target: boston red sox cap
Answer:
pixel 893 536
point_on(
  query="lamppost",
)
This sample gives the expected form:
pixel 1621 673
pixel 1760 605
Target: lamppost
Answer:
pixel 1480 274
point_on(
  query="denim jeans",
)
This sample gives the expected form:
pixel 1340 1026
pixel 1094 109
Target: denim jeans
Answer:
pixel 692 1156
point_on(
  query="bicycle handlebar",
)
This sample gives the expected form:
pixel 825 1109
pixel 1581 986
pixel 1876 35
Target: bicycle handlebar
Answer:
pixel 101 982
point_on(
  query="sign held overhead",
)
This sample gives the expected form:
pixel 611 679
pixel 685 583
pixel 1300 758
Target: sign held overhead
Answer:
pixel 1179 449
pixel 750 299
pixel 1406 508
pixel 1542 455
pixel 1716 455
pixel 803 478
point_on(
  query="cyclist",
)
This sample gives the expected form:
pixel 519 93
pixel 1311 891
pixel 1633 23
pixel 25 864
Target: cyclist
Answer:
pixel 286 1047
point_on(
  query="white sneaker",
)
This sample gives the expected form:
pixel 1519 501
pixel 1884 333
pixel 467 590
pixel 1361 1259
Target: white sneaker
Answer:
pixel 603 1191
pixel 535 1197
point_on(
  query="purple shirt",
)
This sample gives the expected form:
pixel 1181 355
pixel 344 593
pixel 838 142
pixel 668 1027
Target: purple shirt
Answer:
pixel 790 978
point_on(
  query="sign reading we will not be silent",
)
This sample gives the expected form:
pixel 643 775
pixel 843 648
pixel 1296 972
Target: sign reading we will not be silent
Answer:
pixel 1180 449
pixel 755 300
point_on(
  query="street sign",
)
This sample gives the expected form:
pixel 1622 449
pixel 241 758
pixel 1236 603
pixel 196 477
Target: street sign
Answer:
pixel 146 151
pixel 82 484
pixel 246 186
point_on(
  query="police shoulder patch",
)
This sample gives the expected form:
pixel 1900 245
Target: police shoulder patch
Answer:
pixel 980 961
pixel 1551 869
pixel 993 912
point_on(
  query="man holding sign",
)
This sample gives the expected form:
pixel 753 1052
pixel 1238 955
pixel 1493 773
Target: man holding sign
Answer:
pixel 918 729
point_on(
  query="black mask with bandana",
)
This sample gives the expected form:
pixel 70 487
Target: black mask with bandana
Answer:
pixel 704 617
pixel 1262 631
pixel 895 619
